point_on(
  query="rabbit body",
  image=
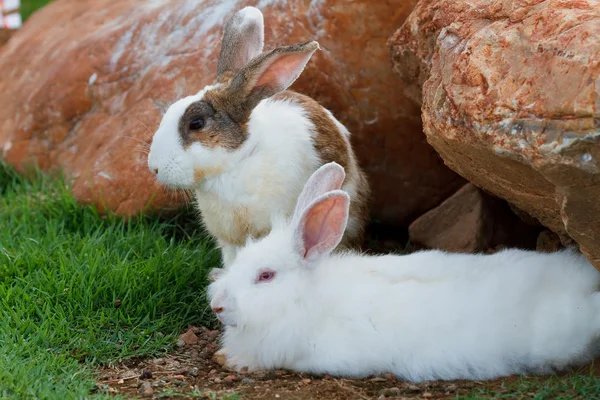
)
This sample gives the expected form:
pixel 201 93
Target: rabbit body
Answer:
pixel 431 315
pixel 289 302
pixel 267 175
pixel 246 145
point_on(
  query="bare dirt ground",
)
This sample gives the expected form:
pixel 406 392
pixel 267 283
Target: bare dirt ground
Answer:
pixel 193 372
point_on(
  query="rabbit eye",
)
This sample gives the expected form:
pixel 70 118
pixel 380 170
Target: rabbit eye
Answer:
pixel 197 124
pixel 266 276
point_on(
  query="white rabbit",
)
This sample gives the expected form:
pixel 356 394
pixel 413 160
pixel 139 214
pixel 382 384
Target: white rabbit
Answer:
pixel 287 302
pixel 246 145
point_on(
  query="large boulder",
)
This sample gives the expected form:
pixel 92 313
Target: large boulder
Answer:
pixel 511 101
pixel 81 78
pixel 5 34
pixel 472 221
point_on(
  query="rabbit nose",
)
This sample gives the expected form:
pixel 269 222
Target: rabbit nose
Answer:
pixel 217 310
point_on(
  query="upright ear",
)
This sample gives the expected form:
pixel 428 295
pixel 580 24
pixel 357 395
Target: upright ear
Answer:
pixel 243 40
pixel 326 178
pixel 322 224
pixel 271 73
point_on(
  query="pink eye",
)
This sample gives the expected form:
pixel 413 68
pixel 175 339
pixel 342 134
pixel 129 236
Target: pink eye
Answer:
pixel 265 275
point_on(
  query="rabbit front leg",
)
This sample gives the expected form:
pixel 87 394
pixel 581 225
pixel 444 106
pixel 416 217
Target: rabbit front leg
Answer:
pixel 228 253
pixel 234 363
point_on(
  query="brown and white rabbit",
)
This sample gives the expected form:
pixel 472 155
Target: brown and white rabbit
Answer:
pixel 246 146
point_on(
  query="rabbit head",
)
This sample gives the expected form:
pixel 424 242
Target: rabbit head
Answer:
pixel 201 136
pixel 278 266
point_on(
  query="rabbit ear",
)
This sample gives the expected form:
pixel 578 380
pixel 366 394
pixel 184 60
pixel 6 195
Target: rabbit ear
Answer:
pixel 322 224
pixel 268 74
pixel 243 40
pixel 326 178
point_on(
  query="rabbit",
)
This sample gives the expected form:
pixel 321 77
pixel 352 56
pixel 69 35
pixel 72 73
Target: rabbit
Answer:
pixel 288 302
pixel 246 145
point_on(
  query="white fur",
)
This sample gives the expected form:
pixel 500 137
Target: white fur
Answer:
pixel 251 15
pixel 424 316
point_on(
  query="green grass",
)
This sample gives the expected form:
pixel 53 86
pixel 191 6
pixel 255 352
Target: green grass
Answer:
pixel 63 267
pixel 582 384
pixel 28 7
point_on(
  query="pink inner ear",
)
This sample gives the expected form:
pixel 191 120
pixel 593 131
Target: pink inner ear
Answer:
pixel 283 71
pixel 324 226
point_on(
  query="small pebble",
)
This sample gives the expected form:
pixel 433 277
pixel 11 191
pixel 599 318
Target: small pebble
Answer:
pixel 118 303
pixel 212 371
pixel 181 372
pixel 189 337
pixel 193 371
pixel 306 381
pixel 413 388
pixel 159 361
pixel 220 359
pixel 378 379
pixel 391 392
pixel 427 395
pixel 217 380
pixel 146 390
pixel 451 388
pixel 147 374
pixel 390 377
pixel 247 381
pixel 230 378
pixel 180 343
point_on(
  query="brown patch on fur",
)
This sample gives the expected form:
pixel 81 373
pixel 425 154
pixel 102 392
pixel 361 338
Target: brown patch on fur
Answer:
pixel 243 228
pixel 225 77
pixel 329 142
pixel 200 174
pixel 359 211
pixel 231 102
pixel 219 129
pixel 225 110
pixel 332 145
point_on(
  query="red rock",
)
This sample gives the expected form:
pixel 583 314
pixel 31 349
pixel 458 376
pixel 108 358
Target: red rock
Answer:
pixel 548 241
pixel 4 36
pixel 81 80
pixel 189 337
pixel 510 101
pixel 471 221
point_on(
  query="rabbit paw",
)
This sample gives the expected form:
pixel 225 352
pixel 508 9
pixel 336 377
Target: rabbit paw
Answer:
pixel 214 274
pixel 233 363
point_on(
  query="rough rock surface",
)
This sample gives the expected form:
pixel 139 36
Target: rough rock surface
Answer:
pixel 4 36
pixel 471 221
pixel 82 77
pixel 511 101
pixel 548 242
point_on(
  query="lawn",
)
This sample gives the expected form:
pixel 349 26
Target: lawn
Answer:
pixel 78 289
pixel 28 7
